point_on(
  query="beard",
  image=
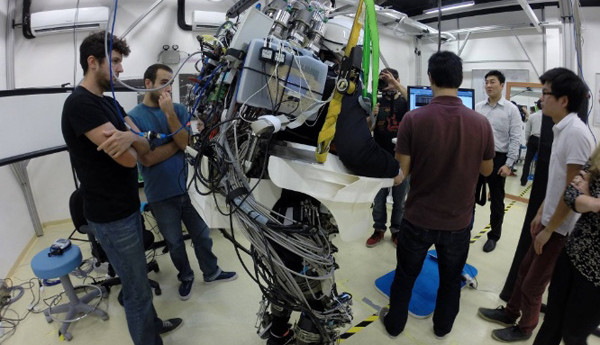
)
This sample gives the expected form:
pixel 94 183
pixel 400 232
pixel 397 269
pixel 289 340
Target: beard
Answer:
pixel 154 95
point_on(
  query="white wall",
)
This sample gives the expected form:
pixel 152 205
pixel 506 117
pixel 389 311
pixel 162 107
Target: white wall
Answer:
pixel 591 62
pixel 398 52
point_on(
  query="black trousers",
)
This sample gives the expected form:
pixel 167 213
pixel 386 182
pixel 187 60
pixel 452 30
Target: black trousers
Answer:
pixel 532 148
pixel 573 307
pixel 496 185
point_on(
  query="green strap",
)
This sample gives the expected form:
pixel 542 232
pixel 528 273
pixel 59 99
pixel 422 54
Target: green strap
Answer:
pixel 371 50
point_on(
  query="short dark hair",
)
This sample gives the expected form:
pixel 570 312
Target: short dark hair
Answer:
pixel 151 71
pixel 497 74
pixel 392 71
pixel 94 45
pixel 566 83
pixel 445 69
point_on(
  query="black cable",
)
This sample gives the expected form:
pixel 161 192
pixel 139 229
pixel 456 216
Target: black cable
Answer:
pixel 439 25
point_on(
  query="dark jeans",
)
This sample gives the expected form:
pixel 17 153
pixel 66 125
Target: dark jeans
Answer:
pixel 122 241
pixel 533 278
pixel 413 243
pixel 380 207
pixel 496 185
pixel 532 147
pixel 573 307
pixel 169 213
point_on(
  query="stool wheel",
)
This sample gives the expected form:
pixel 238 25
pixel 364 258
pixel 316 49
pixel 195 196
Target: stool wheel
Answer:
pixel 157 291
pixel 105 317
pixel 48 318
pixel 67 336
pixel 156 269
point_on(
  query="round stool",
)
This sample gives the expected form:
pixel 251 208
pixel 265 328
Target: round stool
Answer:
pixel 59 266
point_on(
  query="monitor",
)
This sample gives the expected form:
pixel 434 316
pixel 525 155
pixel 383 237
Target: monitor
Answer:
pixel 419 96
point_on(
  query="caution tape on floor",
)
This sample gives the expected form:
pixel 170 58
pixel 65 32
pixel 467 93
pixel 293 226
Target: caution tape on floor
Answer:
pixel 359 327
pixel 489 226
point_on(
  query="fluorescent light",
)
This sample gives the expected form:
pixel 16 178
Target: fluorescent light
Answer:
pixel 450 7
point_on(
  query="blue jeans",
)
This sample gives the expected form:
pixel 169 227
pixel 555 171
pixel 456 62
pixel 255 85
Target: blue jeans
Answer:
pixel 413 243
pixel 169 213
pixel 122 241
pixel 380 208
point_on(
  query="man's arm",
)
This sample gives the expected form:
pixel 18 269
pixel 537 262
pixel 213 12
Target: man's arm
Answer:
pixel 141 145
pixel 528 128
pixel 115 143
pixel 514 136
pixel 486 167
pixel 404 163
pixel 159 154
pixel 560 213
pixel 166 105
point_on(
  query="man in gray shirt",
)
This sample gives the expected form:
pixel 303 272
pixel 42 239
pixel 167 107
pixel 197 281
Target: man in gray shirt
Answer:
pixel 506 124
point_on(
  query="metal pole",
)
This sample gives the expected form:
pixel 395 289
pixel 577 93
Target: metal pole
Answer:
pixel 19 169
pixel 525 51
pixel 460 50
pixel 140 18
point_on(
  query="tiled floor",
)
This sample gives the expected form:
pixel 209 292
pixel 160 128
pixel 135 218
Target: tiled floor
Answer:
pixel 226 313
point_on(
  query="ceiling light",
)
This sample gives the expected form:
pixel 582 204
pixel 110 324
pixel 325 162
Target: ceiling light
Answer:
pixel 450 7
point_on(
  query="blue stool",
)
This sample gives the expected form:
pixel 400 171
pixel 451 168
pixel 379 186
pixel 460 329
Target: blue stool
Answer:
pixel 50 267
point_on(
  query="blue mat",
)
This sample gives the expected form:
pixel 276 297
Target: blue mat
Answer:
pixel 422 302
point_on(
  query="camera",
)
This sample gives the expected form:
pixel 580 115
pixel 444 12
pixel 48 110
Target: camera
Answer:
pixel 382 84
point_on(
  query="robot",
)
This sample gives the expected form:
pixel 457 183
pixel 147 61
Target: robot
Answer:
pixel 262 91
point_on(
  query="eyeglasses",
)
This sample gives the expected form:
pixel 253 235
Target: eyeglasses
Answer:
pixel 546 93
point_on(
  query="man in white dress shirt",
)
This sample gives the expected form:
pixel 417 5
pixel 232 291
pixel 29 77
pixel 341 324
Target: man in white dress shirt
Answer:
pixel 506 124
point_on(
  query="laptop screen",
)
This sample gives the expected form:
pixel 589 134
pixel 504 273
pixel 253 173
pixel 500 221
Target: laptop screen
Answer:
pixel 419 96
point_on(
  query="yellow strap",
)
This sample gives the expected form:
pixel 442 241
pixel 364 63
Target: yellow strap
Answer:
pixel 335 106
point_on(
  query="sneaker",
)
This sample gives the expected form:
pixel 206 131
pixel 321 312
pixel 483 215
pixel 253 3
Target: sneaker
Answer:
pixel 170 325
pixel 497 315
pixel 376 238
pixel 222 277
pixel 510 334
pixel 287 338
pixel 395 239
pixel 185 289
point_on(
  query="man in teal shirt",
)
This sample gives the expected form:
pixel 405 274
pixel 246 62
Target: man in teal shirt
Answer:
pixel 165 174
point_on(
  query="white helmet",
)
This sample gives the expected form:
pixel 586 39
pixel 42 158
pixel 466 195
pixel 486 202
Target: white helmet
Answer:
pixel 337 33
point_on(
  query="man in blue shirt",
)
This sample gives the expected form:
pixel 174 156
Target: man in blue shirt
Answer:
pixel 164 171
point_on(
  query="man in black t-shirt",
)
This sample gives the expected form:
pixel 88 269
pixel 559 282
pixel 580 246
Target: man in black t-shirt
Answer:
pixel 104 154
pixel 389 111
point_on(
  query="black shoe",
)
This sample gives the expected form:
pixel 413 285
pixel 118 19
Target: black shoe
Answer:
pixel 510 334
pixel 497 315
pixel 489 245
pixel 440 334
pixel 170 325
pixel 287 338
pixel 185 289
pixel 382 314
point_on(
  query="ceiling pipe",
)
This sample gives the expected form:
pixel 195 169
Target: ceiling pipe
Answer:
pixel 486 6
pixel 181 16
pixel 532 17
